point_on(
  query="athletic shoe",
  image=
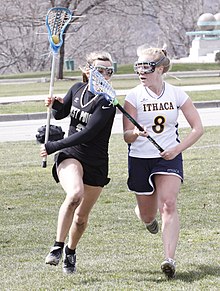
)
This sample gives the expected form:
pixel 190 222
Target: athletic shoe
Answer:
pixel 54 256
pixel 69 263
pixel 169 268
pixel 153 227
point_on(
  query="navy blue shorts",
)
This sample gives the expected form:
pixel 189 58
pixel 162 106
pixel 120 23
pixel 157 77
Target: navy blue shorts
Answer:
pixel 141 172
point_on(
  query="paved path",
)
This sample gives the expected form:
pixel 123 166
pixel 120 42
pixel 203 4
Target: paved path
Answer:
pixel 27 129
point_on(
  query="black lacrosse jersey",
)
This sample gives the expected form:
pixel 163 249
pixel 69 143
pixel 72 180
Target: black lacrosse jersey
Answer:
pixel 91 119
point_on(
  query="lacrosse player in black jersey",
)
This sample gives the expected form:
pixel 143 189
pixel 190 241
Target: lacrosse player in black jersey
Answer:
pixel 81 163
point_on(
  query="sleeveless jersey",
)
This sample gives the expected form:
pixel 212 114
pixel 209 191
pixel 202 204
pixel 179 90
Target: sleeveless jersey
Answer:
pixel 159 114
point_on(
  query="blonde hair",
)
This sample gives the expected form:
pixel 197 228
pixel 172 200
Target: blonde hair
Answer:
pixel 98 55
pixel 157 54
pixel 93 56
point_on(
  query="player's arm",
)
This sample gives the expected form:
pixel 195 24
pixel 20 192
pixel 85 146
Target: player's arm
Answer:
pixel 61 108
pixel 192 116
pixel 131 132
pixel 95 124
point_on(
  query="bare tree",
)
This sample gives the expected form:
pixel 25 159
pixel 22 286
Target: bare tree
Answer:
pixel 21 47
pixel 174 26
pixel 121 27
pixel 118 27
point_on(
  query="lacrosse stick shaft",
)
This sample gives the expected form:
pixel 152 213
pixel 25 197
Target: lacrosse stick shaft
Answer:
pixel 139 126
pixel 57 20
pixel 47 131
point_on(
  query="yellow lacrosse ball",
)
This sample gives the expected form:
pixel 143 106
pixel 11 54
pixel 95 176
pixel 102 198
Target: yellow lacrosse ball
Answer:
pixel 55 38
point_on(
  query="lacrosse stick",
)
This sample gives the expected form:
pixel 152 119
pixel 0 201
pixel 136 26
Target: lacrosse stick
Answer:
pixel 98 85
pixel 57 20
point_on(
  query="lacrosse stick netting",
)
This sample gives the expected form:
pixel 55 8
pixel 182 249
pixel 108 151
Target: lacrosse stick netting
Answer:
pixel 57 20
pixel 98 85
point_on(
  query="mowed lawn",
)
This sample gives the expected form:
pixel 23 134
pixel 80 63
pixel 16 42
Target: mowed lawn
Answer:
pixel 116 252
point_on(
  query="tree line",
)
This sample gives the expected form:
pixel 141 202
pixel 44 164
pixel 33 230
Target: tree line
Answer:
pixel 116 26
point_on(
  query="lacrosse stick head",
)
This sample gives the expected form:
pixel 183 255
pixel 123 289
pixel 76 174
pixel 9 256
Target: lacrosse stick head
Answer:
pixel 98 85
pixel 57 20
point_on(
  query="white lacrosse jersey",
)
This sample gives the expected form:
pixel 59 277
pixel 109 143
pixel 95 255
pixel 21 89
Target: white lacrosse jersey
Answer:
pixel 159 115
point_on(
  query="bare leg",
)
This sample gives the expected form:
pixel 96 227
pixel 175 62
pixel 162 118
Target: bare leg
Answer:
pixel 167 190
pixel 147 205
pixel 70 174
pixel 81 215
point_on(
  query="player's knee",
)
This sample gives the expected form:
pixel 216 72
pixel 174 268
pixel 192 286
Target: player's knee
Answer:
pixel 73 199
pixel 169 206
pixel 80 221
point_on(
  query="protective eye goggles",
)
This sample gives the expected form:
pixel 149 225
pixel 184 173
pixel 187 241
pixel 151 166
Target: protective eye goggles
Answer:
pixel 146 67
pixel 105 70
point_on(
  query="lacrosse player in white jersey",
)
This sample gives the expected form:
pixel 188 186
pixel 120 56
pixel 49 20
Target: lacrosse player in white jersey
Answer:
pixel 155 177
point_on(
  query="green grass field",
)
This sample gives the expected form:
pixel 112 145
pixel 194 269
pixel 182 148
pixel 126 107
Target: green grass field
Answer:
pixel 61 87
pixel 37 88
pixel 121 69
pixel 116 252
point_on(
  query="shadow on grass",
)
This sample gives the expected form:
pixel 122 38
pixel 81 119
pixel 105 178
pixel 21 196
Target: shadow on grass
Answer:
pixel 196 273
pixel 199 272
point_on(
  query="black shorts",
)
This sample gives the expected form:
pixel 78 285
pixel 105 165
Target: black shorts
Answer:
pixel 92 175
pixel 141 172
